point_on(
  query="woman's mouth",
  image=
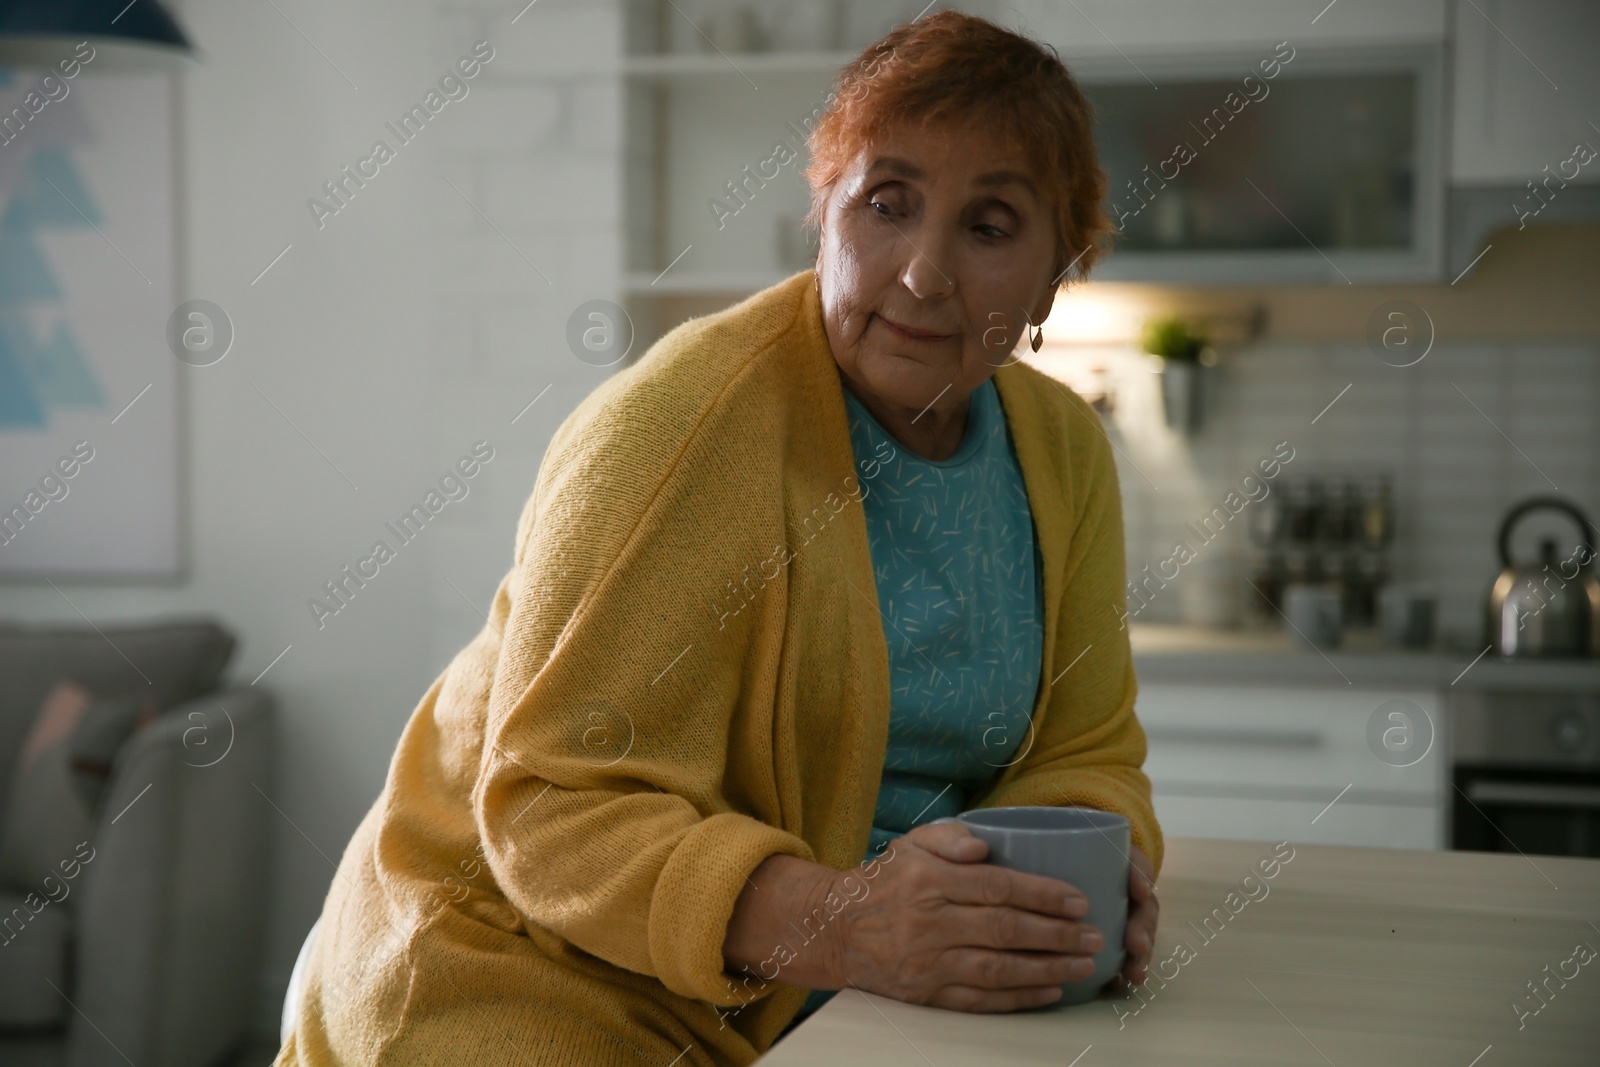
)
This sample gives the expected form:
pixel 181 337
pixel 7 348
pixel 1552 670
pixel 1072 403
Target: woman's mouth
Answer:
pixel 911 333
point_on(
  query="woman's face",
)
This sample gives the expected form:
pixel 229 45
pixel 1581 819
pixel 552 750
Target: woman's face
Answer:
pixel 938 250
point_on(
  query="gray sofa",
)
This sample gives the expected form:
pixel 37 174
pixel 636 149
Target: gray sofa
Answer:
pixel 153 957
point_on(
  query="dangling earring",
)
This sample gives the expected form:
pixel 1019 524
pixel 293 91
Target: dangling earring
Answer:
pixel 1038 337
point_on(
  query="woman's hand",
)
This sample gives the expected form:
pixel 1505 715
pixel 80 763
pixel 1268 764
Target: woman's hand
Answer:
pixel 1143 911
pixel 940 927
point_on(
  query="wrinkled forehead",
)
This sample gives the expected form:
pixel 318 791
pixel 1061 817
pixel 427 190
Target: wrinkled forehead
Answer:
pixel 974 152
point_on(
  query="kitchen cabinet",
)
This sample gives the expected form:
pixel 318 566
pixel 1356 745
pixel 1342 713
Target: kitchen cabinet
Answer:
pixel 1297 763
pixel 1523 130
pixel 1126 28
pixel 1316 184
pixel 1287 164
pixel 1525 85
pixel 721 93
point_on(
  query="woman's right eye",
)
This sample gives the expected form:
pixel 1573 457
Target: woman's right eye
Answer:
pixel 887 200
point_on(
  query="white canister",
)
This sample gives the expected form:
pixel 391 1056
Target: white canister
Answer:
pixel 1315 613
pixel 1210 590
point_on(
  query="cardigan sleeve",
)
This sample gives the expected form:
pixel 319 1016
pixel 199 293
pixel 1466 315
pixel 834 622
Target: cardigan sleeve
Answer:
pixel 600 797
pixel 1089 747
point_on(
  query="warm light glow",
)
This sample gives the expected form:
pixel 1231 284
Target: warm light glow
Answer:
pixel 1098 315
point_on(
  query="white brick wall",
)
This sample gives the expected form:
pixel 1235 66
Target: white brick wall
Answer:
pixel 537 149
pixel 419 307
pixel 1455 475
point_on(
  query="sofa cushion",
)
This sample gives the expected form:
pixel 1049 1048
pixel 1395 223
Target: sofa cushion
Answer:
pixel 35 944
pixel 53 801
pixel 92 749
pixel 170 661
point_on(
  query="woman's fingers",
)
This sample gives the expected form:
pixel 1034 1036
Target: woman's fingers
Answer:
pixel 1141 930
pixel 1140 937
pixel 988 884
pixel 1137 963
pixel 1141 881
pixel 991 927
pixel 949 841
pixel 983 938
pixel 1140 941
pixel 986 968
pixel 973 999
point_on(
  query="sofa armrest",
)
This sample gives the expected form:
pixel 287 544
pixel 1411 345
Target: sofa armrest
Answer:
pixel 173 908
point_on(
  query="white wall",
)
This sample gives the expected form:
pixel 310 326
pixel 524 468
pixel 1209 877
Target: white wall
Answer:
pixel 402 331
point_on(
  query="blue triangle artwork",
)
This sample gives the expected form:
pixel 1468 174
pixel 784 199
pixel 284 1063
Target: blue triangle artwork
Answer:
pixel 40 372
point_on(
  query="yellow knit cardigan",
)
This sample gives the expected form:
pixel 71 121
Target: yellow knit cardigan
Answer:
pixel 684 672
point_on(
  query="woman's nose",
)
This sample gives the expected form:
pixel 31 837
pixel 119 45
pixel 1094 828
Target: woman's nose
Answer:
pixel 927 274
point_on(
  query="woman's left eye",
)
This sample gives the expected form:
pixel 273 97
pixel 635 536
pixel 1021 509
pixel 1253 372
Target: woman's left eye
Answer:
pixel 987 226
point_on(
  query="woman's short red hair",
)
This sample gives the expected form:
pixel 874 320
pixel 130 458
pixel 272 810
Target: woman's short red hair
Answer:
pixel 952 65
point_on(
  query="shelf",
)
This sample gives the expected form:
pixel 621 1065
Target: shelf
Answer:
pixel 733 65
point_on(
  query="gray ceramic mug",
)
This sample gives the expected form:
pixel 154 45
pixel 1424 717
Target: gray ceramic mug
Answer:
pixel 1085 847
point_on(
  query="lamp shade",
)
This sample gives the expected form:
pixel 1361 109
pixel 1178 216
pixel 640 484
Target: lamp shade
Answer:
pixel 125 36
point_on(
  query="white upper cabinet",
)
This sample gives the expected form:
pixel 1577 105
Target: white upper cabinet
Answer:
pixel 1399 137
pixel 1340 179
pixel 1527 90
pixel 1099 28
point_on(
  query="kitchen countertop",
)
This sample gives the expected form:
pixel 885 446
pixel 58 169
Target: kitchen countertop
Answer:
pixel 1185 654
pixel 1345 956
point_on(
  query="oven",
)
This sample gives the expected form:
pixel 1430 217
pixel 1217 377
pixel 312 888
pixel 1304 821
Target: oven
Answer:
pixel 1526 769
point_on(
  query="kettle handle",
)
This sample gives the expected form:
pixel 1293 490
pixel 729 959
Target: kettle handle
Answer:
pixel 1540 503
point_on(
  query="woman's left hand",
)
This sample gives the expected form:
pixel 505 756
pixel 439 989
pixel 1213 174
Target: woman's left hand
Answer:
pixel 1143 908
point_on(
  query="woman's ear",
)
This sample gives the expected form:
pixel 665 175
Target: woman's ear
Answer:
pixel 1041 310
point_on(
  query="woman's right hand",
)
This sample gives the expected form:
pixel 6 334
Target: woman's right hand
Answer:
pixel 938 926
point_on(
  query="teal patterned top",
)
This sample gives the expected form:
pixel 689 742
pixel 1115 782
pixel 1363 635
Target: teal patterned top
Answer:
pixel 958 578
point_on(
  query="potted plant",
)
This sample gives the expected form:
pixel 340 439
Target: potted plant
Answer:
pixel 1184 354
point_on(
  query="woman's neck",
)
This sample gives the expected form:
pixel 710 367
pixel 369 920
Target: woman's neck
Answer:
pixel 934 432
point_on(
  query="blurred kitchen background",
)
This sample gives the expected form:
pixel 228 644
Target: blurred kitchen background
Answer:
pixel 1349 330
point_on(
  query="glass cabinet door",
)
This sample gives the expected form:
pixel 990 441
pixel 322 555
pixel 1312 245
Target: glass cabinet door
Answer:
pixel 1313 175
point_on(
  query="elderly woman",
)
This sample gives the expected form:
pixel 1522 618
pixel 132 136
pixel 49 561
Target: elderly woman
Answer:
pixel 816 571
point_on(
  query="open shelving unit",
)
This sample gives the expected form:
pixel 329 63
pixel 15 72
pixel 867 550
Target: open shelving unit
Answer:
pixel 709 96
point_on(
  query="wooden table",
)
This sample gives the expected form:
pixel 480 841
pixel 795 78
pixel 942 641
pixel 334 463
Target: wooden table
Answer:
pixel 1347 956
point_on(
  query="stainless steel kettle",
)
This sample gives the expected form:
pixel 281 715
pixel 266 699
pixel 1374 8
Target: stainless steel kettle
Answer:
pixel 1548 608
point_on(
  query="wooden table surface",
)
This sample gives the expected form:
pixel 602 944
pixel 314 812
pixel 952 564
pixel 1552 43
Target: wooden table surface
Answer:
pixel 1347 956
